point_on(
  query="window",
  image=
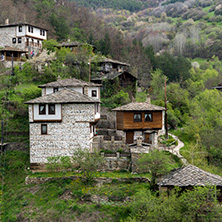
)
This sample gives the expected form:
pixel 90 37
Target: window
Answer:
pixel 13 40
pixel 96 108
pixel 40 31
pixel 148 117
pixel 30 29
pixel 55 89
pixel 137 117
pixel 19 39
pixel 42 109
pixel 94 93
pixel 51 109
pixel 43 128
pixel 43 32
pixel 20 28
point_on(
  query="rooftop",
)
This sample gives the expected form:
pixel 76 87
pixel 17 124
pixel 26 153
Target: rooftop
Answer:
pixel 63 96
pixel 20 23
pixel 190 176
pixel 139 106
pixel 106 60
pixel 72 82
pixel 10 49
pixel 70 44
pixel 111 75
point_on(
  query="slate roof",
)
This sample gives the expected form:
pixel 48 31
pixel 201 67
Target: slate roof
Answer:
pixel 111 75
pixel 21 23
pixel 190 176
pixel 10 49
pixel 106 60
pixel 72 82
pixel 63 96
pixel 70 44
pixel 139 106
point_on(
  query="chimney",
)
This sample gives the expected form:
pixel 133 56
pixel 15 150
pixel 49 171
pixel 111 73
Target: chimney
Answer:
pixel 148 99
pixel 68 40
pixel 7 21
pixel 58 78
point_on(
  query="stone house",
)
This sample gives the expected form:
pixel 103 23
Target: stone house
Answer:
pixel 22 36
pixel 140 119
pixel 63 119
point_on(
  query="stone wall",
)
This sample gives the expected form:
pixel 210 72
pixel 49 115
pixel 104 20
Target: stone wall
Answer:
pixel 18 146
pixel 116 163
pixel 100 180
pixel 8 64
pixel 6 36
pixel 62 137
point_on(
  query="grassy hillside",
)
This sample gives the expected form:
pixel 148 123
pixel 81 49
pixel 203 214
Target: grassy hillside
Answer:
pixel 63 199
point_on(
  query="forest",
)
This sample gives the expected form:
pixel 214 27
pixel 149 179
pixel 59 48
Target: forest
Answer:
pixel 179 40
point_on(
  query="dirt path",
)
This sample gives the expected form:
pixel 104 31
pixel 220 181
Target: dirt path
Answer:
pixel 176 150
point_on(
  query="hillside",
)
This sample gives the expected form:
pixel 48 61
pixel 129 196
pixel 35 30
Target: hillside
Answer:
pixel 188 28
pixel 158 42
pixel 130 5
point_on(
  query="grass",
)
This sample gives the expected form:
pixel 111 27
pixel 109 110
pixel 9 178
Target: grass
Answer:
pixel 199 60
pixel 49 202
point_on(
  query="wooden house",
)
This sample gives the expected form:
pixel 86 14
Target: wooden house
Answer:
pixel 112 72
pixel 140 119
pixel 75 46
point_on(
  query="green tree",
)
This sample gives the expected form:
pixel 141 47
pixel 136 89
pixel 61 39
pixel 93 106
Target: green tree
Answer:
pixel 154 162
pixel 50 45
pixel 175 68
pixel 87 162
pixel 62 30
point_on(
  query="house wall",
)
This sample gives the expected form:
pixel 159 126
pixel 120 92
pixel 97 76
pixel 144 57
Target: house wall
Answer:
pixel 90 92
pixel 49 90
pixel 128 121
pixel 119 120
pixel 36 32
pixel 56 116
pixel 7 33
pixel 62 137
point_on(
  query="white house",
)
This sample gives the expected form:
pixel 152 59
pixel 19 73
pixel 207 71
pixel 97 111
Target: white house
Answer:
pixel 63 120
pixel 22 36
pixel 87 88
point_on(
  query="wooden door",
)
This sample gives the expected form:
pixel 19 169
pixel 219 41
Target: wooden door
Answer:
pixel 129 137
pixel 147 138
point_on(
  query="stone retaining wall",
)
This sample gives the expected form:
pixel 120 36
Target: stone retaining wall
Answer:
pixel 101 180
